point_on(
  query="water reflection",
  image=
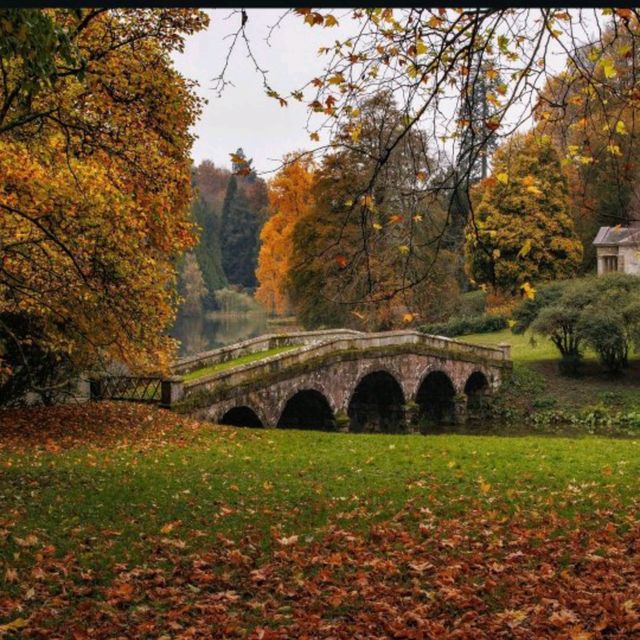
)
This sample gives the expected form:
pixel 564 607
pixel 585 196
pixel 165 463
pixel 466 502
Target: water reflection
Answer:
pixel 212 329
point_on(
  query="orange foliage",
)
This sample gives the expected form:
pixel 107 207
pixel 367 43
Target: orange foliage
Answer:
pixel 290 199
pixel 94 202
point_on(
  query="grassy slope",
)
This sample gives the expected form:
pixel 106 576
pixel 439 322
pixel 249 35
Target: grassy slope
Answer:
pixel 122 522
pixel 236 362
pixel 217 479
pixel 537 367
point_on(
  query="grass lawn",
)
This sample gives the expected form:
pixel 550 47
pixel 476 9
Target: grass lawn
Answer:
pixel 536 369
pixel 522 348
pixel 125 521
pixel 236 362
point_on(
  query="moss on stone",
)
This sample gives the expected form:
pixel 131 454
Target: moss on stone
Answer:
pixel 200 399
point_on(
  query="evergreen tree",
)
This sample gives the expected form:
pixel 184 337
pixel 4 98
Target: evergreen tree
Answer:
pixel 240 231
pixel 208 251
pixel 242 166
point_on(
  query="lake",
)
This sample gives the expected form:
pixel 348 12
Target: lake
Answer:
pixel 213 329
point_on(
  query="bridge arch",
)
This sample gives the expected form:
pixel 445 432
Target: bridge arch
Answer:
pixel 377 403
pixel 241 416
pixel 477 388
pixel 307 409
pixel 435 398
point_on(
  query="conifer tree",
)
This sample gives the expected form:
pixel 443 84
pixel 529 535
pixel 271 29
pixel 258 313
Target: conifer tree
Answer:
pixel 240 230
pixel 208 251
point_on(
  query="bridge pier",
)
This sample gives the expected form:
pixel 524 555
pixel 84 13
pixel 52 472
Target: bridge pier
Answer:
pixel 460 413
pixel 412 417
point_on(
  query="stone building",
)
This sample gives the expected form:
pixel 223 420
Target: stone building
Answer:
pixel 618 249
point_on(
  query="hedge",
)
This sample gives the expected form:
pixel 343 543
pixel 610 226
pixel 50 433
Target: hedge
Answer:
pixel 483 323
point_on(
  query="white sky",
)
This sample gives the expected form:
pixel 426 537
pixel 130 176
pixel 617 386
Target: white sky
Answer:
pixel 244 116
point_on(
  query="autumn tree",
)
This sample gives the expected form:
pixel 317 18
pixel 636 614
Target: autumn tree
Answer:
pixel 92 220
pixel 360 243
pixel 523 233
pixel 290 200
pixel 594 125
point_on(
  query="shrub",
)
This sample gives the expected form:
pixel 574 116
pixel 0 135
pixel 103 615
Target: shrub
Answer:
pixel 229 300
pixel 527 312
pixel 600 312
pixel 559 323
pixel 483 323
pixel 605 330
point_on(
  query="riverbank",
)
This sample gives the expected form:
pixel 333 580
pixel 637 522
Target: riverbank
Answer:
pixel 124 519
pixel 540 399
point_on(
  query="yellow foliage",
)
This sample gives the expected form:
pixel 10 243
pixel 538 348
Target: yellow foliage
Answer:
pixel 95 214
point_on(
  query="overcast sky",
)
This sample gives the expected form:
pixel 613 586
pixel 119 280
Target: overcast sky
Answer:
pixel 244 116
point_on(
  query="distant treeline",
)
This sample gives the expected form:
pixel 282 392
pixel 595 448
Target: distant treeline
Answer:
pixel 230 207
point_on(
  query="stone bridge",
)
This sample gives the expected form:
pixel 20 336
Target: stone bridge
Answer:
pixel 346 380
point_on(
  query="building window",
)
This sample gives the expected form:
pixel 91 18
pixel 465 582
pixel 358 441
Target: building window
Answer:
pixel 610 263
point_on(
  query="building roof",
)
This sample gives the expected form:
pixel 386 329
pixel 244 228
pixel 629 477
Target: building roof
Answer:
pixel 608 236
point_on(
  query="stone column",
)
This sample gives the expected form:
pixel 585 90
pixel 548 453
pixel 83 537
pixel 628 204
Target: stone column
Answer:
pixel 460 412
pixel 171 390
pixel 412 417
pixel 506 350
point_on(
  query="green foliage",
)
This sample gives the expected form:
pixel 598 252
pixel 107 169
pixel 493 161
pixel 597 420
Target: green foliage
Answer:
pixel 459 326
pixel 529 309
pixel 598 312
pixel 523 232
pixel 239 241
pixel 472 303
pixel 605 332
pixel 592 419
pixel 208 250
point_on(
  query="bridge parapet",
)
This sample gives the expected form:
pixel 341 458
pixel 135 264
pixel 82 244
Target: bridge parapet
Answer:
pixel 322 346
pixel 255 345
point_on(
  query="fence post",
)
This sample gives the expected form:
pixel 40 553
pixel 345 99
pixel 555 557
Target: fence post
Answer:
pixel 171 390
pixel 95 389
